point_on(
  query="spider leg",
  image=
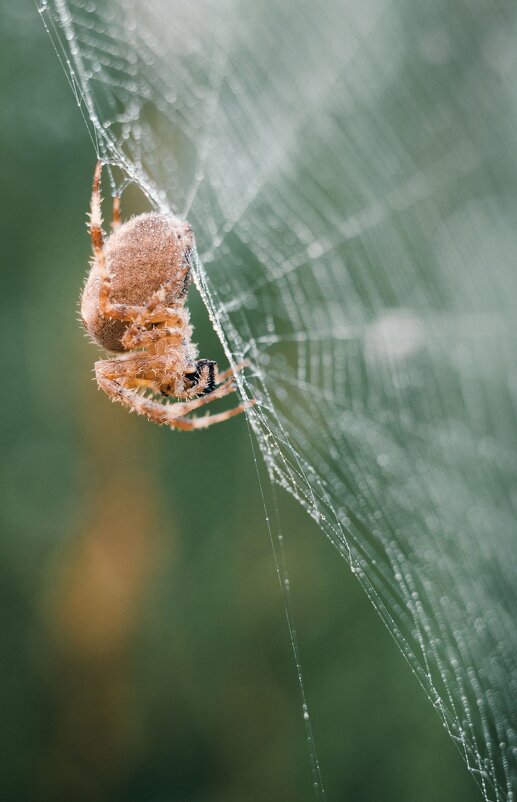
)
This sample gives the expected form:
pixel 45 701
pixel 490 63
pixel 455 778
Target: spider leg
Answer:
pixel 127 312
pixel 95 225
pixel 221 377
pixel 202 378
pixel 98 241
pixel 116 387
pixel 115 223
pixel 191 424
pixel 137 384
pixel 133 368
pixel 156 302
pixel 138 337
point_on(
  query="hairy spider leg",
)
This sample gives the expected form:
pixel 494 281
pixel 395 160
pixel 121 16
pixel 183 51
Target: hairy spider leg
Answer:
pixel 191 424
pixel 96 215
pixel 115 223
pixel 156 303
pixel 138 337
pixel 98 240
pixel 172 415
pixel 220 377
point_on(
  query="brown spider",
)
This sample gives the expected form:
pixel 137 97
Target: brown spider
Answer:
pixel 134 298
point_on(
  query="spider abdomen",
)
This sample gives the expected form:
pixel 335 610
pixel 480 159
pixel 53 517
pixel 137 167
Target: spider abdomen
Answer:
pixel 141 256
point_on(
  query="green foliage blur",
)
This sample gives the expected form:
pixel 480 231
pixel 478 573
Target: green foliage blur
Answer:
pixel 145 654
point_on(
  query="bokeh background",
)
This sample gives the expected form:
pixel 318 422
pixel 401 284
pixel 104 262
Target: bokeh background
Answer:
pixel 145 654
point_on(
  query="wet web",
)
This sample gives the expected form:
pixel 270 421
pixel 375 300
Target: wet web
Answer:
pixel 350 173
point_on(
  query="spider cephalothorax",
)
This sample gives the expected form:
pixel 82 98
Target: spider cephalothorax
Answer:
pixel 134 302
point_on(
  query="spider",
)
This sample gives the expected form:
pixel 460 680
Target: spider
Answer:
pixel 133 303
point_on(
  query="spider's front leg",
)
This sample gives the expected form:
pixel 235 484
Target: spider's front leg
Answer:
pixel 105 307
pixel 95 225
pixel 173 330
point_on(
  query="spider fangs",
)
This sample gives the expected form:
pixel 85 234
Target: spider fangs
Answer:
pixel 134 303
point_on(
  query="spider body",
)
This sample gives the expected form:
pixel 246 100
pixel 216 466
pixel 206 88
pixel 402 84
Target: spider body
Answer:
pixel 142 254
pixel 133 304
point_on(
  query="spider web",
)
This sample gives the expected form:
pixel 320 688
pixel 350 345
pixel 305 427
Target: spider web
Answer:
pixel 350 172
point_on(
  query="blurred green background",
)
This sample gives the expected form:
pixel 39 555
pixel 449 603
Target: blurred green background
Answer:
pixel 145 652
